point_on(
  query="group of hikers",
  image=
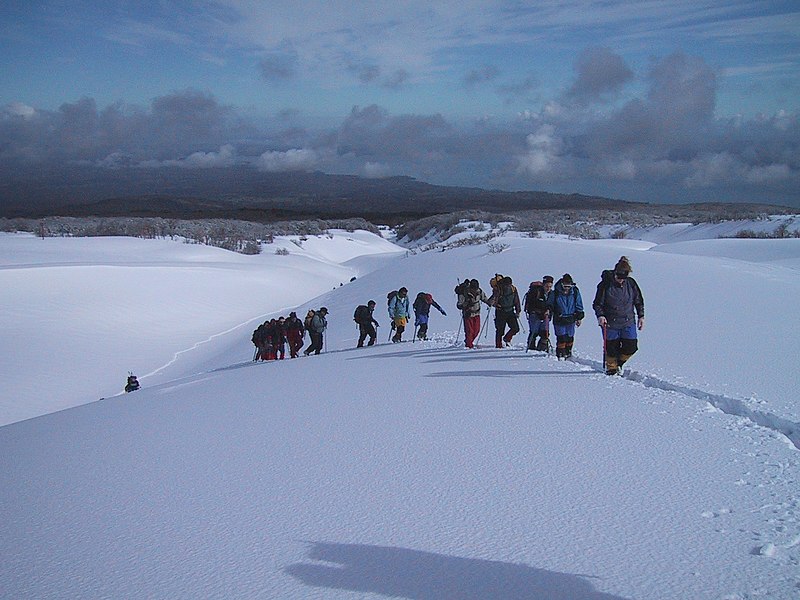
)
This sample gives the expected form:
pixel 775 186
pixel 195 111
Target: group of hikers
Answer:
pixel 618 306
pixel 272 336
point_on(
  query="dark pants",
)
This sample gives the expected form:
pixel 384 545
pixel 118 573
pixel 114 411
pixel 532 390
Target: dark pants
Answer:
pixel 365 330
pixel 316 343
pixel 501 319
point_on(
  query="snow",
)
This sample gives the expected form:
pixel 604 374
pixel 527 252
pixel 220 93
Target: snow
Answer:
pixel 414 470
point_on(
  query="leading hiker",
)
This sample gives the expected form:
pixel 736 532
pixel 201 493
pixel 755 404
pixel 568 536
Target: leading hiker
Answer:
pixel 618 297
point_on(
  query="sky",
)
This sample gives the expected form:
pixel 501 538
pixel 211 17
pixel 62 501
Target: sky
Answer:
pixel 652 101
pixel 416 470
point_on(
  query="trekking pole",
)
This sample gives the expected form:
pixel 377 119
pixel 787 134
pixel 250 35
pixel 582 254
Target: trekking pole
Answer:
pixel 605 345
pixel 488 309
pixel 414 339
pixel 458 333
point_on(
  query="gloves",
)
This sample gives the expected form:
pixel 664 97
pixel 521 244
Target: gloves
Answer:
pixel 640 323
pixel 602 321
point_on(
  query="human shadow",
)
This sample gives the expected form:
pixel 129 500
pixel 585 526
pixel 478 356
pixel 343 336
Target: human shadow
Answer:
pixel 501 373
pixel 404 573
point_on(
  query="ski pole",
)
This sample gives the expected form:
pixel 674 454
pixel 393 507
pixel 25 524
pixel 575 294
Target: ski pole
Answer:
pixel 414 339
pixel 605 346
pixel 486 323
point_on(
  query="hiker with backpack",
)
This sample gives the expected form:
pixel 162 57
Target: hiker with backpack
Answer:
pixel 294 334
pixel 366 323
pixel 470 296
pixel 399 312
pixel 618 297
pixel 259 336
pixel 422 311
pixel 279 338
pixel 537 303
pixel 316 329
pixel 568 313
pixel 507 308
pixel 132 383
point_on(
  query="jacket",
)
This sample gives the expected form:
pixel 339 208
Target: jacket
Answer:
pixel 469 301
pixel 567 308
pixel 318 324
pixel 618 301
pixel 399 307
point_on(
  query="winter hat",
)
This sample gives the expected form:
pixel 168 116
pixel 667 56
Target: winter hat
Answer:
pixel 293 314
pixel 371 303
pixel 567 279
pixel 402 290
pixel 547 279
pixel 623 265
pixel 323 309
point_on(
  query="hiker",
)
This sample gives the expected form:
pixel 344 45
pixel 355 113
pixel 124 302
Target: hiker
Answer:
pixel 505 300
pixel 399 312
pixel 316 330
pixel 618 296
pixel 258 338
pixel 294 334
pixel 470 296
pixel 568 313
pixel 366 323
pixel 133 384
pixel 279 338
pixel 537 302
pixel 422 311
pixel 268 343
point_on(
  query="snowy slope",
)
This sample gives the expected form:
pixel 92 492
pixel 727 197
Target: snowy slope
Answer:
pixel 424 470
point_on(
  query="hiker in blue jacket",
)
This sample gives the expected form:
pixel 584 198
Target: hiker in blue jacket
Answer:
pixel 567 314
pixel 399 313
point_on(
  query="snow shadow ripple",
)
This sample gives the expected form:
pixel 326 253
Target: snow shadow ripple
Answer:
pixel 726 404
pixel 403 573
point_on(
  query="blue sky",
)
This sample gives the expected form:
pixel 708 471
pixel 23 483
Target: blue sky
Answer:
pixel 665 101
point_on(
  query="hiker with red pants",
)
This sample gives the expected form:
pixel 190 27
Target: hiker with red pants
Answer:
pixel 618 297
pixel 294 334
pixel 470 296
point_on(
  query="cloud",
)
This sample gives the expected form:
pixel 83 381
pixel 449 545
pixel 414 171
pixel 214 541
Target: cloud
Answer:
pixel 280 65
pixel 18 109
pixel 374 170
pixel 226 157
pixel 296 159
pixel 484 74
pixel 600 74
pixel 396 79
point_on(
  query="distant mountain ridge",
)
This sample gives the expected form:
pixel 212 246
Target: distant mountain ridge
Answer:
pixel 242 192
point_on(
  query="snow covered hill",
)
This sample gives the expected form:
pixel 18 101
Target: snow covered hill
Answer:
pixel 417 470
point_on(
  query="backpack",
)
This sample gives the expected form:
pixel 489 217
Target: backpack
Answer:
pixel 505 297
pixel 535 300
pixel 494 282
pixel 307 321
pixel 361 315
pixel 422 301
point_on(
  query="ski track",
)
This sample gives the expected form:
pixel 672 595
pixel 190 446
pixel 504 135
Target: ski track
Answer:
pixel 726 404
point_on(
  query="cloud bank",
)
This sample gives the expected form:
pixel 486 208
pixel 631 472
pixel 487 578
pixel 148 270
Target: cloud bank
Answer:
pixel 647 136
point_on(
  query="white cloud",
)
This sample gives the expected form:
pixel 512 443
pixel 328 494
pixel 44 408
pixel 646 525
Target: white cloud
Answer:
pixel 18 109
pixel 375 170
pixel 296 159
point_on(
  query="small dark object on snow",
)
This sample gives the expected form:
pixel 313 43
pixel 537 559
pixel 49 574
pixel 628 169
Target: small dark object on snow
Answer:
pixel 133 383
